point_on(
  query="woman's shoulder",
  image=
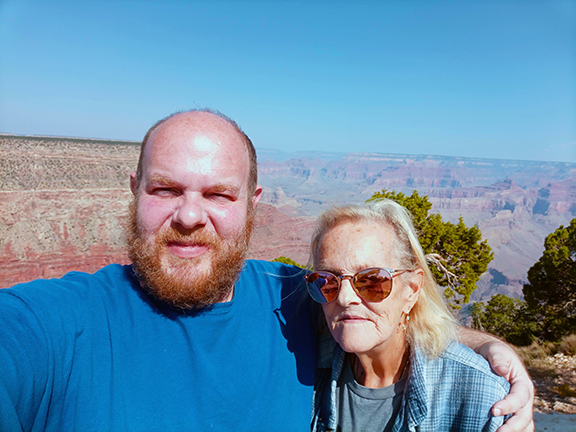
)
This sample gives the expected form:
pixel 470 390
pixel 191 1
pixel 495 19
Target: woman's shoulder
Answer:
pixel 464 366
pixel 468 358
pixel 454 391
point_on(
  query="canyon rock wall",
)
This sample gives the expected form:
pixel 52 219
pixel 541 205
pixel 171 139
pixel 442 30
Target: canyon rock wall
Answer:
pixel 63 203
pixel 514 203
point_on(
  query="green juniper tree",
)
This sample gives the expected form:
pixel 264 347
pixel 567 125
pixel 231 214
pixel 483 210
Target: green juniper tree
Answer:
pixel 464 253
pixel 551 291
pixel 505 317
pixel 549 309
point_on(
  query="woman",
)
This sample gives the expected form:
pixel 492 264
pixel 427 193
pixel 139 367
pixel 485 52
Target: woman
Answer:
pixel 397 365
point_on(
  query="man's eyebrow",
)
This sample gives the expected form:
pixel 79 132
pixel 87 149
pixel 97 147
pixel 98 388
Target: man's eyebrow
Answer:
pixel 162 180
pixel 235 190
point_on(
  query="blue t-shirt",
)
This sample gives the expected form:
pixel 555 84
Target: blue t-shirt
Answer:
pixel 96 353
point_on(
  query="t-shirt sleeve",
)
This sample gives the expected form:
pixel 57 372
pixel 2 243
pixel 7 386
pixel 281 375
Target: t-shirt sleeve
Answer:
pixel 24 364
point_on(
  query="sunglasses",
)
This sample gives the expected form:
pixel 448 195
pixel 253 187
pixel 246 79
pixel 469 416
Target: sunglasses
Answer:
pixel 372 284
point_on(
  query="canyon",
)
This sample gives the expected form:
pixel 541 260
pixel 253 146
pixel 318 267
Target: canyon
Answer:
pixel 63 203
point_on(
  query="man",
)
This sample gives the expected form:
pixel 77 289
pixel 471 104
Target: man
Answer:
pixel 189 337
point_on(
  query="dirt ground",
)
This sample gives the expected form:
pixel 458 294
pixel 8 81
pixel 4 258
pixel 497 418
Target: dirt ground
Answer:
pixel 555 381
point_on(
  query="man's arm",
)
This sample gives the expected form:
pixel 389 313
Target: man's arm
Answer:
pixel 24 366
pixel 506 363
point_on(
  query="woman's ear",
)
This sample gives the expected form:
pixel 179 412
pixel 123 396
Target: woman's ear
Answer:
pixel 415 283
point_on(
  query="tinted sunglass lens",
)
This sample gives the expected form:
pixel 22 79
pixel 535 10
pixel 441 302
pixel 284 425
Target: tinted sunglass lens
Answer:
pixel 373 284
pixel 323 287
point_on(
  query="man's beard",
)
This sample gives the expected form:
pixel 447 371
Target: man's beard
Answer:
pixel 179 281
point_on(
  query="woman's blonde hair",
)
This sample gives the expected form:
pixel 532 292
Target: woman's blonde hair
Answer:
pixel 431 326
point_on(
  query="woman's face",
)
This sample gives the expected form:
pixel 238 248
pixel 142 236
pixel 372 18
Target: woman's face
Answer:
pixel 357 325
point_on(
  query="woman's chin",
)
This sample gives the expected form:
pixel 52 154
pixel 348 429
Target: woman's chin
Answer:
pixel 354 345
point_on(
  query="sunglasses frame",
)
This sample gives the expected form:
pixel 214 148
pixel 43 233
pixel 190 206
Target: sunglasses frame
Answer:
pixel 392 272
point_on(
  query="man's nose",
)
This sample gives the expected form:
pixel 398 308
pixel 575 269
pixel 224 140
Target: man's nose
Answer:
pixel 190 211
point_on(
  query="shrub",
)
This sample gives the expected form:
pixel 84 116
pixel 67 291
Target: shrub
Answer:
pixel 534 353
pixel 568 345
pixel 286 260
pixel 564 390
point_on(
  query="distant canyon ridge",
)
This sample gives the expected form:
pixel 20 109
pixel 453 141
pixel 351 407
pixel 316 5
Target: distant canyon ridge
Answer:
pixel 63 203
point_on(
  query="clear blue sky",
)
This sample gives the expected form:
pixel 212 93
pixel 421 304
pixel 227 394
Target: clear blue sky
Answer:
pixel 464 78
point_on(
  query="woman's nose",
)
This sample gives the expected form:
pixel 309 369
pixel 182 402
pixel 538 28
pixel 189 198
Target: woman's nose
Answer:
pixel 347 294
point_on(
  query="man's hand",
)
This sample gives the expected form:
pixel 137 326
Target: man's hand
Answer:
pixel 506 363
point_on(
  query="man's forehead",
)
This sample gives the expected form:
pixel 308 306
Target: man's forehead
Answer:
pixel 181 148
pixel 197 149
pixel 203 143
pixel 201 131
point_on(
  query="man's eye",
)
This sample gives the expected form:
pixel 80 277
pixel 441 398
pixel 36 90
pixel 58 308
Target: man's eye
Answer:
pixel 164 191
pixel 221 197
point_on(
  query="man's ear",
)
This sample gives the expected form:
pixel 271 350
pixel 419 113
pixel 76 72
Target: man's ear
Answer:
pixel 257 195
pixel 133 184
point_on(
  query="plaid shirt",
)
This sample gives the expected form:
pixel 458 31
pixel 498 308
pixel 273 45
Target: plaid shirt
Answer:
pixel 453 392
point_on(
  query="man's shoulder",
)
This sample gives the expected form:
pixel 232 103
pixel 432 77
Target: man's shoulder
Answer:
pixel 73 285
pixel 272 269
pixel 60 309
pixel 277 281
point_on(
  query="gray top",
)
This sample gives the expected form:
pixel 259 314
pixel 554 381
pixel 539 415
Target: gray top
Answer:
pixel 366 409
pixel 452 392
